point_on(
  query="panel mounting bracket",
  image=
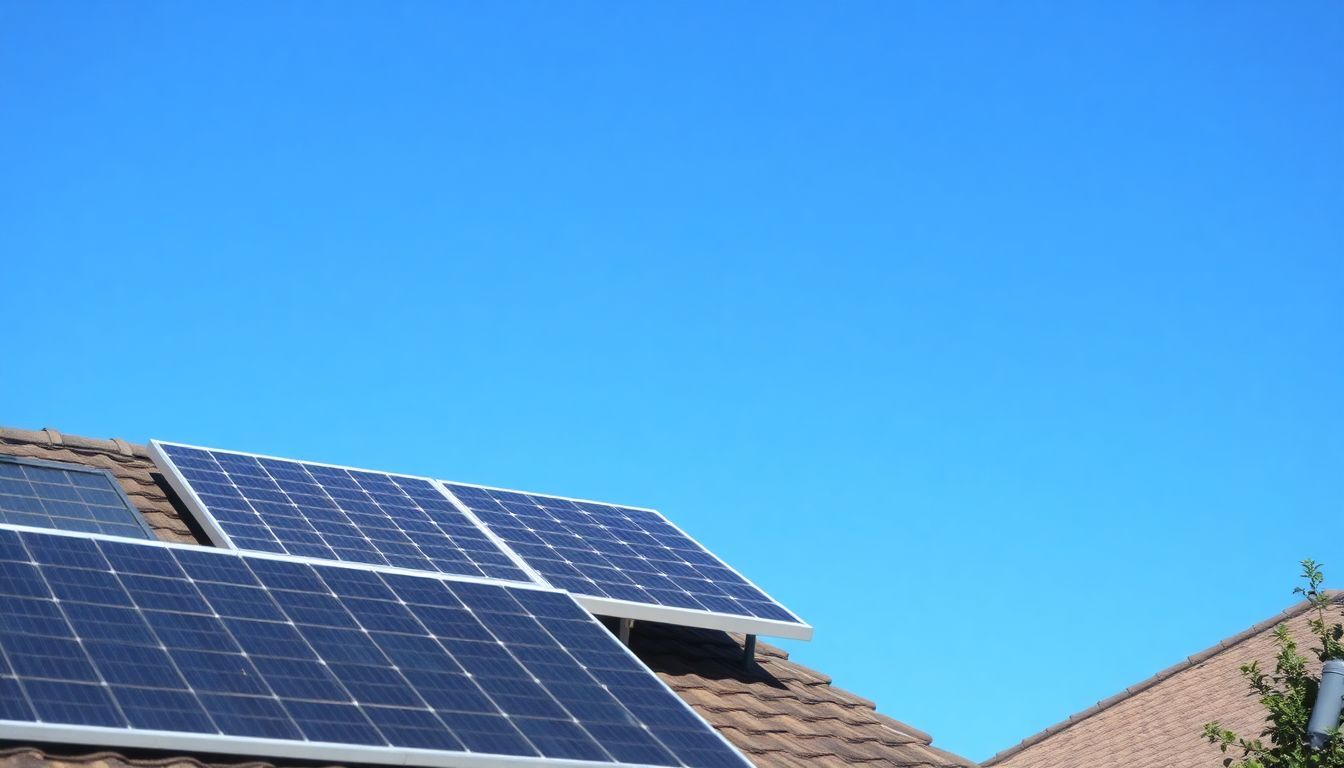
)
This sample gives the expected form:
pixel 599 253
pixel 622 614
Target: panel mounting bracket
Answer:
pixel 748 651
pixel 626 626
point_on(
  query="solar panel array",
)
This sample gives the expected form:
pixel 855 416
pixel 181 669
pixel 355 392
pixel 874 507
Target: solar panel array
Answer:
pixel 621 553
pixel 49 495
pixel 237 647
pixel 314 510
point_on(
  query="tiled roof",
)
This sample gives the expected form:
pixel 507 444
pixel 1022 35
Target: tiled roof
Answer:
pixel 780 714
pixel 1158 722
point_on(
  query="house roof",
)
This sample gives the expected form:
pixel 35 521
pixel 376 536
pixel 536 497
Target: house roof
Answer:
pixel 1159 721
pixel 777 712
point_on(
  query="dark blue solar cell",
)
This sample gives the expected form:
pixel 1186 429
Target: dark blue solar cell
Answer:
pixel 139 665
pixel 348 646
pixel 266 638
pixel 123 625
pixel 137 558
pixel 719 604
pixel 595 658
pixel 11 547
pixel 519 696
pixel 532 655
pixel 376 685
pixel 257 544
pixel 549 605
pixel 591 704
pixel 300 679
pixel 190 632
pixel 86 586
pixel 451 691
pixel 576 635
pixel 767 610
pixel 320 609
pixel 353 582
pixel 164 710
pixel 161 594
pixel 330 722
pixel 676 599
pixel 410 652
pixel 486 597
pixel 116 530
pixel 457 623
pixel 710 756
pixel 22 580
pixel 57 701
pixel 383 616
pixel 46 657
pixel 280 574
pixel 631 744
pixel 559 738
pixel 417 728
pixel 485 660
pixel 661 710
pixel 421 591
pixel 488 733
pixel 70 551
pixel 33 616
pixel 520 630
pixel 250 716
pixel 13 704
pixel 219 672
pixel 235 601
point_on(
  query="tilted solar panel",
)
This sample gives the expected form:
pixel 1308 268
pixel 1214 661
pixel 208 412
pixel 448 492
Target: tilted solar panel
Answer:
pixel 626 561
pixel 266 504
pixel 139 644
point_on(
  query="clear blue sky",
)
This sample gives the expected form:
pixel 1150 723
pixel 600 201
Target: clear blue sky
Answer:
pixel 1002 343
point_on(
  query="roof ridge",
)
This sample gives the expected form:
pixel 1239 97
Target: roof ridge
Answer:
pixel 1293 611
pixel 51 436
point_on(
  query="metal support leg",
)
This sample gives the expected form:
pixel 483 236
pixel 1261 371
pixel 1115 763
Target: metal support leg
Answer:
pixel 749 652
pixel 626 626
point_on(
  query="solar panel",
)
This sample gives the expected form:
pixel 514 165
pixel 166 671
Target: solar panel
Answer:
pixel 138 644
pixel 264 504
pixel 69 497
pixel 626 561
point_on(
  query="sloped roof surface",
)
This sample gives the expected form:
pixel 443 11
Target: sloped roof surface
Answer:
pixel 780 714
pixel 1158 722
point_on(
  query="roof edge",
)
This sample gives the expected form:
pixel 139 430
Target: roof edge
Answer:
pixel 1336 596
pixel 49 436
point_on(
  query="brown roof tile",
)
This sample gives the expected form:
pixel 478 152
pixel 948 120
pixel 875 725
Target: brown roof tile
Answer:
pixel 1158 721
pixel 780 714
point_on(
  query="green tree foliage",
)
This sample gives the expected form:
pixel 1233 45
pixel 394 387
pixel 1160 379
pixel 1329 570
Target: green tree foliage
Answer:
pixel 1288 694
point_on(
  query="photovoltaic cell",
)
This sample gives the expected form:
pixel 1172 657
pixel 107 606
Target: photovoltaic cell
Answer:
pixel 313 510
pixel 238 647
pixel 66 497
pixel 615 552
